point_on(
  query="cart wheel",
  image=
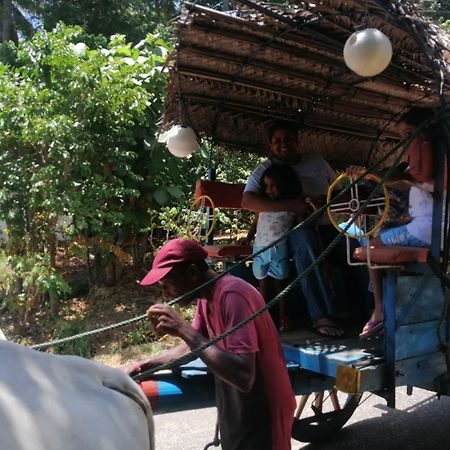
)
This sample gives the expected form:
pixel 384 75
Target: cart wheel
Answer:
pixel 320 415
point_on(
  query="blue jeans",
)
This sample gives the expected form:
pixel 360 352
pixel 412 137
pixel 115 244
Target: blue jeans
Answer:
pixel 401 236
pixel 349 282
pixel 351 286
pixel 305 248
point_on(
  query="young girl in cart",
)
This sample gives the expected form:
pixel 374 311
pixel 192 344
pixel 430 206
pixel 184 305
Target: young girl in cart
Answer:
pixel 418 177
pixel 271 267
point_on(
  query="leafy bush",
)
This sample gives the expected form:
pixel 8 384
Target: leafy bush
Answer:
pixel 26 278
pixel 81 346
pixel 78 120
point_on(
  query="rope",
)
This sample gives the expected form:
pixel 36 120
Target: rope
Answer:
pixel 292 24
pixel 196 353
pixel 89 333
pixel 302 224
pixel 216 440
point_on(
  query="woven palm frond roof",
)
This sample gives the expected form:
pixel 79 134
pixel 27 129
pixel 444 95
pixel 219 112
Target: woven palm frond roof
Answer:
pixel 234 73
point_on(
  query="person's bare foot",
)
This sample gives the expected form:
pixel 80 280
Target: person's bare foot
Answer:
pixel 327 328
pixel 372 328
pixel 285 324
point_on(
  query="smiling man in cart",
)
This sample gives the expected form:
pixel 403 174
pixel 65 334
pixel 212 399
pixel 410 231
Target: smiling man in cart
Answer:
pixel 305 244
pixel 255 400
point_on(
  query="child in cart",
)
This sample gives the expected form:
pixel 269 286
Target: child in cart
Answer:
pixel 271 267
pixel 418 178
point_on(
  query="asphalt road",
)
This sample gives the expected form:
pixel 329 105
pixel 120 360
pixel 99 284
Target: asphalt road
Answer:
pixel 420 422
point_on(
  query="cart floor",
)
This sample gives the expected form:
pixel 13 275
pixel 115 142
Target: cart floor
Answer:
pixel 323 355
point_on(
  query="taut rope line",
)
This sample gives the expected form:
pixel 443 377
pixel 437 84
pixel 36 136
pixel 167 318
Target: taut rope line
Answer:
pixel 313 216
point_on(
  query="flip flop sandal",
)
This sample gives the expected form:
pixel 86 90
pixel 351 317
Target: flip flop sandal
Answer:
pixel 372 328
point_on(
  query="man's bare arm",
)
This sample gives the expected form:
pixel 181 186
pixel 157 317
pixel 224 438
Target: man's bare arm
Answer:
pixel 259 203
pixel 236 369
pixel 136 367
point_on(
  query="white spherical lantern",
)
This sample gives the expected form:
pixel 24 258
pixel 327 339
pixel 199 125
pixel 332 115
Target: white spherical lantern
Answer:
pixel 368 52
pixel 181 141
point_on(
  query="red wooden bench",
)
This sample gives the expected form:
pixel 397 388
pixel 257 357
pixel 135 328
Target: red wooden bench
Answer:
pixel 228 196
pixel 393 255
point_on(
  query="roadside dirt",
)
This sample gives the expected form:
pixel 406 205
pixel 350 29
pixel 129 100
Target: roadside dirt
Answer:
pixel 101 307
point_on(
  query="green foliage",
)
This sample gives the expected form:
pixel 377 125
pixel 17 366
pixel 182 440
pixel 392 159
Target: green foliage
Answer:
pixel 133 18
pixel 78 118
pixel 181 218
pixel 141 333
pixel 73 120
pixel 81 346
pixel 437 10
pixel 7 276
pixel 34 274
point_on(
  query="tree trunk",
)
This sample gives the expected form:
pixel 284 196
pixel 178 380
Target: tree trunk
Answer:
pixel 52 293
pixel 7 21
pixel 54 302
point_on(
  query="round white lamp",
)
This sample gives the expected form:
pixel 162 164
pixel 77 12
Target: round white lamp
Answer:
pixel 181 141
pixel 368 52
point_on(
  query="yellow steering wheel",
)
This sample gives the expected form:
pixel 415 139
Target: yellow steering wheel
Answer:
pixel 197 219
pixel 343 209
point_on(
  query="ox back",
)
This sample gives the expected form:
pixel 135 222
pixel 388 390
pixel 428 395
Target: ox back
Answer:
pixel 51 402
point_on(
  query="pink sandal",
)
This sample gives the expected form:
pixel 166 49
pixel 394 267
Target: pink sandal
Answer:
pixel 372 328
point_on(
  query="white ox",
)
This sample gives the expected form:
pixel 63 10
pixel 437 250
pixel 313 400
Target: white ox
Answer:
pixel 51 402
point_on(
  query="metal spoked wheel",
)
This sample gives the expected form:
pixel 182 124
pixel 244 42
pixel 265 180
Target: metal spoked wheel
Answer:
pixel 201 218
pixel 321 414
pixel 343 210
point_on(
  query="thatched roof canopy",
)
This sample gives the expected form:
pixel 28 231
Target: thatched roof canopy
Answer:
pixel 233 73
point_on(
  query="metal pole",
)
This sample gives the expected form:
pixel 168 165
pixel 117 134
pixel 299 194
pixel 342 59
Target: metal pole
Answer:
pixel 209 211
pixel 436 228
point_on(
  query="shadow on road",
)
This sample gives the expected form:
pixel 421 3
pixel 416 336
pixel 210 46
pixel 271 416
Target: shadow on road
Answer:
pixel 420 426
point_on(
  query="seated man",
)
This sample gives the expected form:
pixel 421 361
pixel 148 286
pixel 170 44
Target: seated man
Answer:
pixel 315 176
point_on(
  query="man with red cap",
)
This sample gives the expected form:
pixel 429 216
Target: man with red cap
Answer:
pixel 254 395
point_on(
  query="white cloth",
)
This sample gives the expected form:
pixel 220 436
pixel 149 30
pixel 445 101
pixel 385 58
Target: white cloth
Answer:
pixel 314 173
pixel 51 402
pixel 421 212
pixel 271 225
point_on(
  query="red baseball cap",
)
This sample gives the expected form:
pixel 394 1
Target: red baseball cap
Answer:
pixel 171 253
